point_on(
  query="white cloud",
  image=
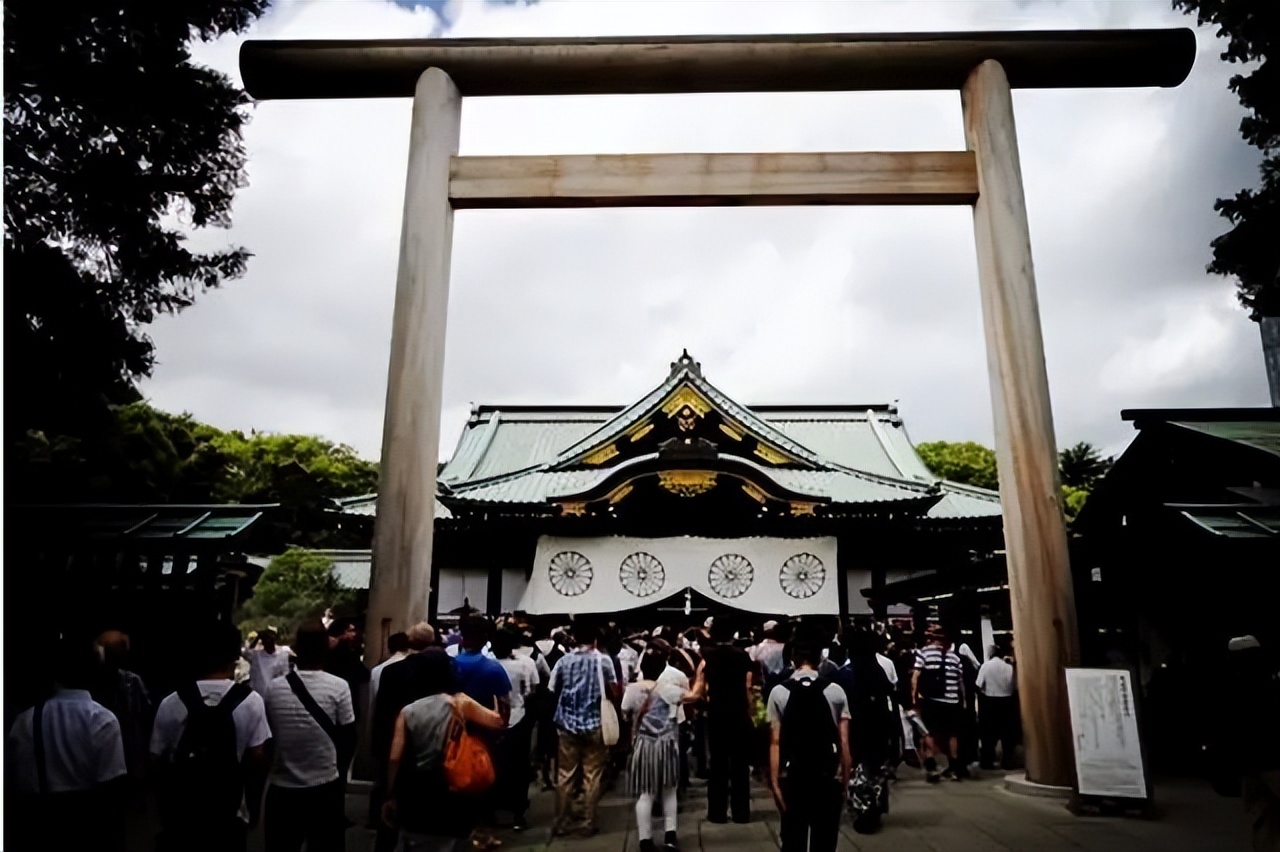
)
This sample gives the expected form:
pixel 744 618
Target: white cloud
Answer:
pixel 821 305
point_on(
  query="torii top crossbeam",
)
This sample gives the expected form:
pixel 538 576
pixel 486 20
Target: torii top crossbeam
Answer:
pixel 752 63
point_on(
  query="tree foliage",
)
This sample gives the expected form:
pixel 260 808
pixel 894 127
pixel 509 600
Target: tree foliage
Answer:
pixel 966 462
pixel 1080 468
pixel 297 586
pixel 150 456
pixel 1250 251
pixel 116 144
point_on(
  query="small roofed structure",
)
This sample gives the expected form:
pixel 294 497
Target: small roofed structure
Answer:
pixel 1179 552
pixel 150 570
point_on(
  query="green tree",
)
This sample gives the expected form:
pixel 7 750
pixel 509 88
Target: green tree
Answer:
pixel 298 586
pixel 966 462
pixel 1081 466
pixel 116 146
pixel 1250 251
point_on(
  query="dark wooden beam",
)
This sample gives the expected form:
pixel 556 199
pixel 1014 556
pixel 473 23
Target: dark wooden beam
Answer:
pixel 750 63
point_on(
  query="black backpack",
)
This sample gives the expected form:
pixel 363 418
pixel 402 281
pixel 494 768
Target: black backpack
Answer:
pixel 809 742
pixel 205 781
pixel 933 676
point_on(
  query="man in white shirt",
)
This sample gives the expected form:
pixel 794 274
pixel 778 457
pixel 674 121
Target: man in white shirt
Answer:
pixel 768 653
pixel 268 662
pixel 398 645
pixel 313 739
pixel 517 741
pixel 64 764
pixel 997 709
pixel 191 799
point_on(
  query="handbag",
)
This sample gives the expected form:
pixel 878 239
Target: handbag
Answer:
pixel 468 768
pixel 610 730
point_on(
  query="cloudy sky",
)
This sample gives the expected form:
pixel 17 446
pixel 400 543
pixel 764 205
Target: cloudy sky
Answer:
pixel 781 305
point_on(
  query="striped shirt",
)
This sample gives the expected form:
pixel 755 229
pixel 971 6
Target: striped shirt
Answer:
pixel 940 674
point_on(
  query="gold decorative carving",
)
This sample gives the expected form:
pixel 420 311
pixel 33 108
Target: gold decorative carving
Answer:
pixel 601 455
pixel 753 492
pixel 619 494
pixel 801 508
pixel 771 455
pixel 644 429
pixel 685 395
pixel 687 483
pixel 731 432
pixel 578 509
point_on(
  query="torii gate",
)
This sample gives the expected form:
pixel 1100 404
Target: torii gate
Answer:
pixel 987 175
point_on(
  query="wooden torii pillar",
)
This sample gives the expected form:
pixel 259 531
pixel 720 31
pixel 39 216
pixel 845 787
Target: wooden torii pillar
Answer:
pixel 984 67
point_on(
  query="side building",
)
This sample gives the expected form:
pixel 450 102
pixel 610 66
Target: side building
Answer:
pixel 686 502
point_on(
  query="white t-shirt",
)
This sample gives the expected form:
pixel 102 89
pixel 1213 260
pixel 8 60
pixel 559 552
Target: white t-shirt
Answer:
pixel 265 667
pixel 672 676
pixel 524 677
pixel 375 676
pixel 629 660
pixel 250 717
pixel 82 746
pixel 890 671
pixel 305 756
pixel 834 694
pixel 995 678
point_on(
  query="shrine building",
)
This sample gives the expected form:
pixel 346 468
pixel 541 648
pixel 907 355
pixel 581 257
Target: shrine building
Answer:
pixel 687 501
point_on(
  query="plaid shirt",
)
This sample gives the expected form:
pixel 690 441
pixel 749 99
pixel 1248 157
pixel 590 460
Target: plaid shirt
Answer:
pixel 576 680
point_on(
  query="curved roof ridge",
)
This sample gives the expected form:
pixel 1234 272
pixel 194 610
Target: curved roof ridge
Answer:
pixel 686 370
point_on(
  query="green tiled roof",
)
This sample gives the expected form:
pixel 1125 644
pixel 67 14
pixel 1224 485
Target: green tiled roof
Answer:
pixel 146 524
pixel 850 454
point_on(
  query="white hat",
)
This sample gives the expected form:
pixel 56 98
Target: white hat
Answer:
pixel 707 623
pixel 770 625
pixel 1243 643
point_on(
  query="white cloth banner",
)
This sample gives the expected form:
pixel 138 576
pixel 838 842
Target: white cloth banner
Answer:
pixel 790 576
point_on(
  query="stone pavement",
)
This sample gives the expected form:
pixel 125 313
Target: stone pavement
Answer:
pixel 970 816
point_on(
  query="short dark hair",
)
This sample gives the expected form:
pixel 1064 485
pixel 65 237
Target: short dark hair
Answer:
pixel 340 626
pixel 76 662
pixel 837 653
pixel 586 633
pixel 504 644
pixel 721 631
pixel 805 651
pixel 311 644
pixel 653 662
pixel 474 630
pixel 398 642
pixel 215 647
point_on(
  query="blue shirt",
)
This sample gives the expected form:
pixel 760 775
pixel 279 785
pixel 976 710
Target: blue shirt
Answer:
pixel 482 678
pixel 576 679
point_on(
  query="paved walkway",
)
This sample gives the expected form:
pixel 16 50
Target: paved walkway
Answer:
pixel 969 816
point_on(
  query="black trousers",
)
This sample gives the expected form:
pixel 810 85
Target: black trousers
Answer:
pixel 999 723
pixel 512 753
pixel 311 815
pixel 811 821
pixel 729 771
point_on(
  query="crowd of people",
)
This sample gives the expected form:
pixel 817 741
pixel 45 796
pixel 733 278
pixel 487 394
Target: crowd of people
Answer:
pixel 462 723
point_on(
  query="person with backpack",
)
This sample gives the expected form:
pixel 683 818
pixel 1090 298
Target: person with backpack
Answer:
pixel 208 750
pixel 937 693
pixel 65 770
pixel 313 740
pixel 436 786
pixel 809 759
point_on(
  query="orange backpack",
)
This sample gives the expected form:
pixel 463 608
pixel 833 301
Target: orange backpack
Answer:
pixel 468 768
